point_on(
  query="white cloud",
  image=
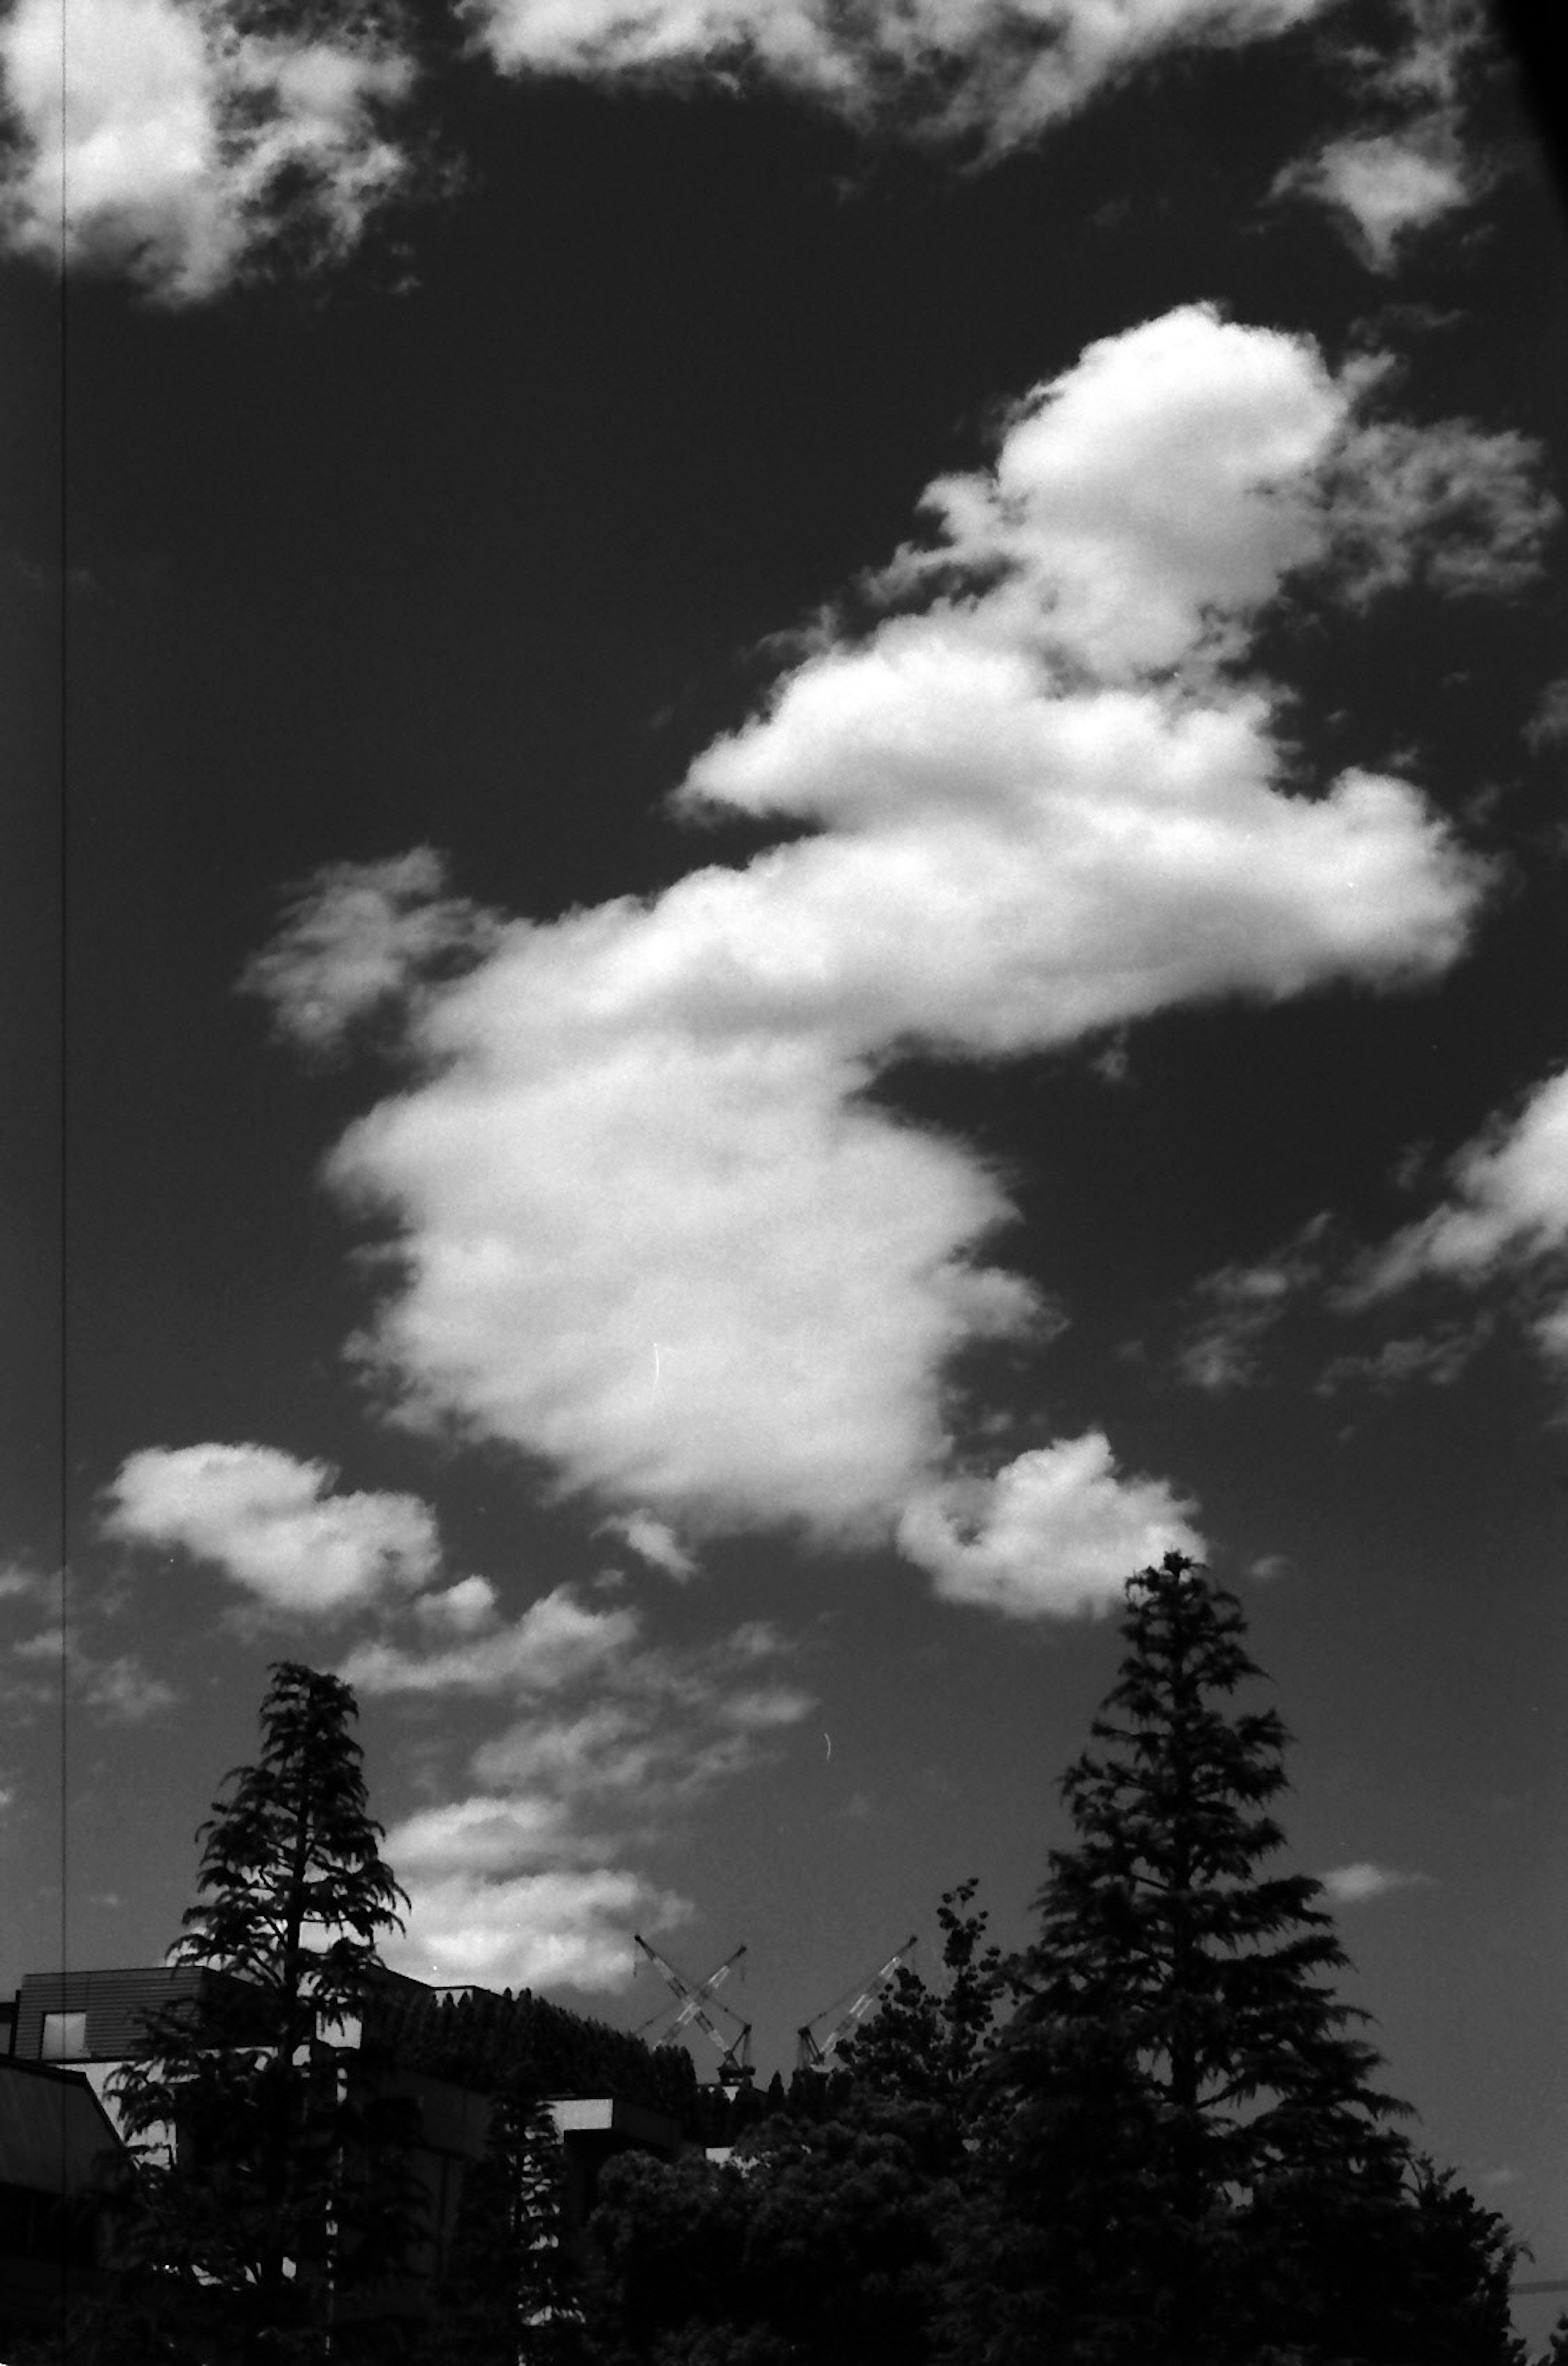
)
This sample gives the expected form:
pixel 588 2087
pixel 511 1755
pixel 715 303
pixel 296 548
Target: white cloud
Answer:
pixel 1355 1885
pixel 1002 69
pixel 1505 1218
pixel 155 132
pixel 1385 186
pixel 561 1929
pixel 274 1525
pixel 478 1836
pixel 517 1880
pixel 651 1228
pixel 652 1541
pixel 354 939
pixel 556 1640
pixel 1057 1531
pixel 460 1609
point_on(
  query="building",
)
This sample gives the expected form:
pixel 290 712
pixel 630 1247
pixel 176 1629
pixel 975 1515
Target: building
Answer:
pixel 52 2132
pixel 69 2032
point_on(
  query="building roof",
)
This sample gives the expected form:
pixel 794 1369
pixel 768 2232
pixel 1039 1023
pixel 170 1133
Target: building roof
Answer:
pixel 52 2128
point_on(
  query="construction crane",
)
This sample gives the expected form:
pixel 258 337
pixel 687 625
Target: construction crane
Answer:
pixel 814 2054
pixel 735 2057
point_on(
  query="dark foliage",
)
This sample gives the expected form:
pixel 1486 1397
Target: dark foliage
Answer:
pixel 488 2043
pixel 283 2202
pixel 1191 2160
pixel 510 2295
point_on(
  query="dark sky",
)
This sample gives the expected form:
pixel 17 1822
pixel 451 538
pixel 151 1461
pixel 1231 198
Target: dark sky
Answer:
pixel 696 1307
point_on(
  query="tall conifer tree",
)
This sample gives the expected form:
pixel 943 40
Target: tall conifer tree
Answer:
pixel 270 2183
pixel 1178 2056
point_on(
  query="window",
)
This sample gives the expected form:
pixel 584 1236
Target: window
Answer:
pixel 64 2036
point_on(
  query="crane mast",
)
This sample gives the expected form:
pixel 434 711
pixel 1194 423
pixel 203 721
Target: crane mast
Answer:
pixel 735 2054
pixel 814 2054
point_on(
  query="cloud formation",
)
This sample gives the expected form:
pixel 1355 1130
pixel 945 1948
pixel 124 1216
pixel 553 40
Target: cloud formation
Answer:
pixel 1240 1306
pixel 1000 71
pixel 1057 1531
pixel 1385 186
pixel 562 1928
pixel 610 1741
pixel 651 1225
pixel 1403 166
pixel 275 1526
pixel 154 136
pixel 1503 1221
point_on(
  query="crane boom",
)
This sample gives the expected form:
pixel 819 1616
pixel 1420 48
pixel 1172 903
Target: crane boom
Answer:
pixel 813 2054
pixel 735 2054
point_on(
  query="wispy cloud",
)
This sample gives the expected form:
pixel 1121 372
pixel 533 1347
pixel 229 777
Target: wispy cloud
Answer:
pixel 62 1656
pixel 610 1741
pixel 556 1640
pixel 999 70
pixel 1503 1224
pixel 273 1525
pixel 156 135
pixel 1357 1883
pixel 1404 165
pixel 1239 1307
pixel 653 1541
pixel 1042 803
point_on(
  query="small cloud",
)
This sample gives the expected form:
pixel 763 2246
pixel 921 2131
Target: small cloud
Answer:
pixel 1355 1885
pixel 120 1689
pixel 273 1525
pixel 653 1541
pixel 1056 1532
pixel 1268 1567
pixel 363 939
pixel 1386 186
pixel 1240 1306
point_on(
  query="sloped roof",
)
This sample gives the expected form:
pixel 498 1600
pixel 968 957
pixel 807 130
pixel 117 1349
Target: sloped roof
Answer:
pixel 52 2128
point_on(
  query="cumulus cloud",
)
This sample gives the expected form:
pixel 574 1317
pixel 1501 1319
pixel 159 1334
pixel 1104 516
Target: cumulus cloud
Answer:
pixel 154 135
pixel 1355 1885
pixel 1504 1219
pixel 557 1929
pixel 1057 1531
pixel 275 1526
pixel 998 69
pixel 651 1227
